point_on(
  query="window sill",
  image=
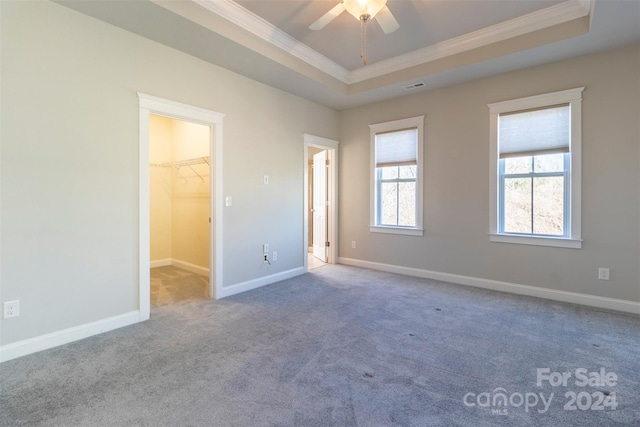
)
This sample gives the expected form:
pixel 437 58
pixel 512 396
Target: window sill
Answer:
pixel 396 230
pixel 558 242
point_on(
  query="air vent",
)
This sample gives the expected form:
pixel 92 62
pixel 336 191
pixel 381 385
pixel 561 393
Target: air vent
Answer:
pixel 414 86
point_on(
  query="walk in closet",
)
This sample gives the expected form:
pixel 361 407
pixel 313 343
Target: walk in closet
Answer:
pixel 179 204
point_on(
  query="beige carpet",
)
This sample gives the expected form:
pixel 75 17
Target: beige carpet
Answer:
pixel 171 284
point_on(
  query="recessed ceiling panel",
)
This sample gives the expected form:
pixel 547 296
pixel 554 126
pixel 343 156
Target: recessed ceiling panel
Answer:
pixel 422 23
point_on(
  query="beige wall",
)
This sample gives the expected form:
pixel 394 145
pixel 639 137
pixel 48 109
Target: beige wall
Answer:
pixel 190 195
pixel 69 171
pixel 456 190
pixel 160 188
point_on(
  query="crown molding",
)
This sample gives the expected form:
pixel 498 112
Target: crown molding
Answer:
pixel 248 21
pixel 535 21
pixel 538 20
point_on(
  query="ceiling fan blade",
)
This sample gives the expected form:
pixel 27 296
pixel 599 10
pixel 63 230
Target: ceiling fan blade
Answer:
pixel 387 21
pixel 327 17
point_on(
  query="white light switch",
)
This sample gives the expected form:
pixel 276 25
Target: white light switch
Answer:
pixel 266 179
pixel 227 201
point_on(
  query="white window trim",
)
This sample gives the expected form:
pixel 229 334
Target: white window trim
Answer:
pixel 574 98
pixel 412 122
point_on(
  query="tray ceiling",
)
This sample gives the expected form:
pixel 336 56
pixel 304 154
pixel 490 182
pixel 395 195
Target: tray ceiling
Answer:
pixel 439 42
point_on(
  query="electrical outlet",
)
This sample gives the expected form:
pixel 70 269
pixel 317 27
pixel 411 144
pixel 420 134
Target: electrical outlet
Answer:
pixel 265 258
pixel 275 256
pixel 265 248
pixel 11 309
pixel 603 273
pixel 353 244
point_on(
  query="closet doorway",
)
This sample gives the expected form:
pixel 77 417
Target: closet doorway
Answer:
pixel 213 121
pixel 179 215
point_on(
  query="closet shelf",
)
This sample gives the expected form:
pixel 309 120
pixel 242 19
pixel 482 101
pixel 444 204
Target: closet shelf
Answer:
pixel 180 163
pixel 188 162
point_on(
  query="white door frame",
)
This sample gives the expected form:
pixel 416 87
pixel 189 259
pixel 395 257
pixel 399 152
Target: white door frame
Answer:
pixel 332 191
pixel 175 110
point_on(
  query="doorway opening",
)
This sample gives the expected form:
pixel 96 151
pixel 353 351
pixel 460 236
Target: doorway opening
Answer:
pixel 320 199
pixel 186 168
pixel 318 218
pixel 179 215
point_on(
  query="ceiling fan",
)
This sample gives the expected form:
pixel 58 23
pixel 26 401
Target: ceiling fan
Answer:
pixel 364 11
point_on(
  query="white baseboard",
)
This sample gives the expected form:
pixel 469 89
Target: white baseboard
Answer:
pixel 65 336
pixel 54 339
pixel 190 267
pixel 514 288
pixel 160 263
pixel 181 264
pixel 227 291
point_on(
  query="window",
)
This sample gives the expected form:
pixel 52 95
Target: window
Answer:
pixel 396 176
pixel 536 170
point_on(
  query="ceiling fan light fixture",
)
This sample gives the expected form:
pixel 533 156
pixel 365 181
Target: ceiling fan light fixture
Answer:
pixel 364 11
pixel 358 8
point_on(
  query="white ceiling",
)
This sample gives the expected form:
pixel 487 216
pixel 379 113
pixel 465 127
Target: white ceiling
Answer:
pixel 439 42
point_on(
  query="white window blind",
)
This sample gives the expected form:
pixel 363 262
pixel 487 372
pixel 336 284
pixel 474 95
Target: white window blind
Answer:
pixel 535 132
pixel 398 148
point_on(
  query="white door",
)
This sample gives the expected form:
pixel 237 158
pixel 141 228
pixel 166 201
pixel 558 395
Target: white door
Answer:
pixel 320 206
